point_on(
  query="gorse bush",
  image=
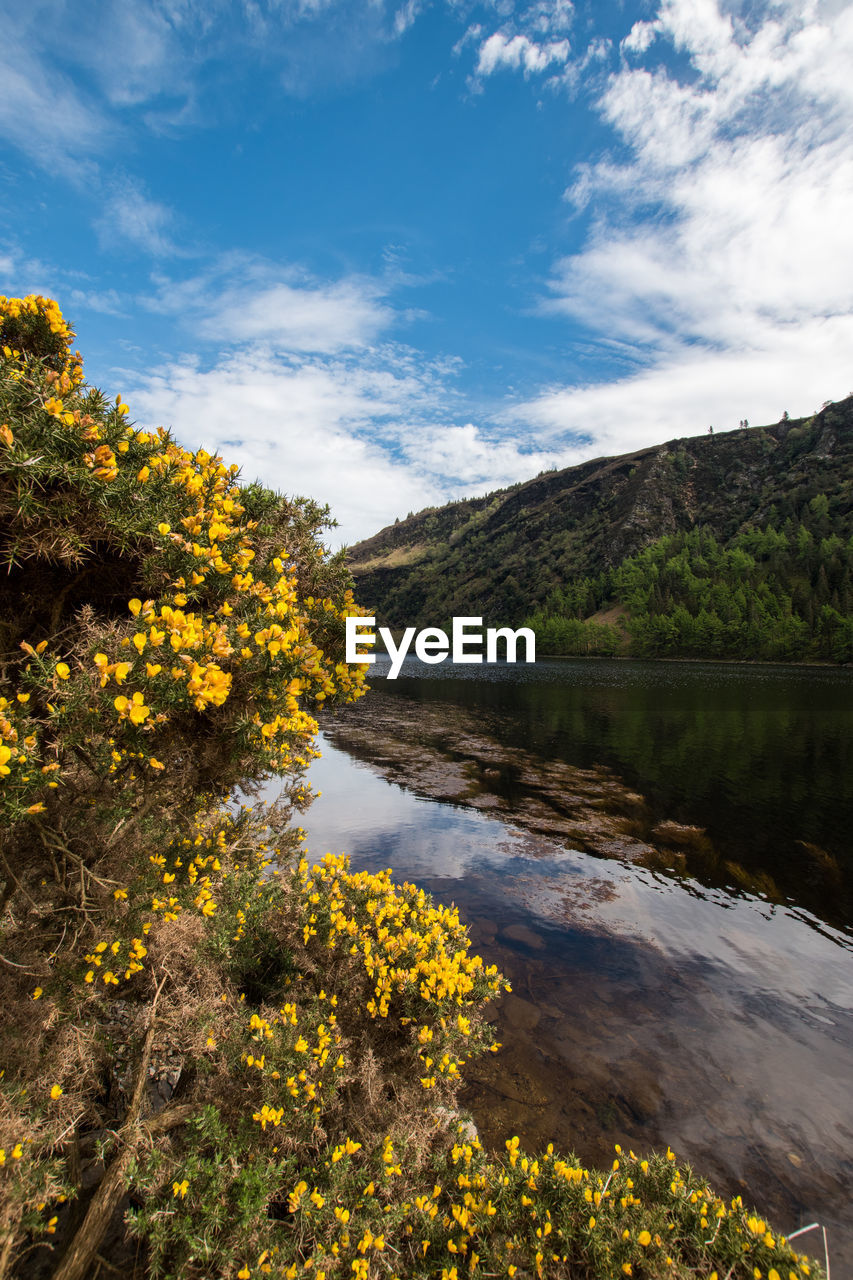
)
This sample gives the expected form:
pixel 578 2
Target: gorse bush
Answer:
pixel 165 635
pixel 221 1060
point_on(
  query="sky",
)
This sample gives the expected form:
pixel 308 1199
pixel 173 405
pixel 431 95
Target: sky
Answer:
pixel 389 253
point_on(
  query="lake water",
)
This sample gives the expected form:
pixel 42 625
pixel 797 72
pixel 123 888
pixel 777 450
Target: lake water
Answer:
pixel 699 993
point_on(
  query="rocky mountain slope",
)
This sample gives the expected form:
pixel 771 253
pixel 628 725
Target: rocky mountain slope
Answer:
pixel 500 555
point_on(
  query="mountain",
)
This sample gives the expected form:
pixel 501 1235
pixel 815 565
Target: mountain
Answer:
pixel 502 555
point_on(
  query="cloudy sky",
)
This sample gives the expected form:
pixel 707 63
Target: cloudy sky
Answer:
pixel 391 252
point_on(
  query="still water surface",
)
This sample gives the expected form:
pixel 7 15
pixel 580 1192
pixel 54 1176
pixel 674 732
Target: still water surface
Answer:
pixel 706 1004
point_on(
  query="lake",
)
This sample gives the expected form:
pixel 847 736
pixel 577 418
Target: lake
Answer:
pixel 658 857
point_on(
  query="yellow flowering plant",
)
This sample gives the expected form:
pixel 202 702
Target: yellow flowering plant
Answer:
pixel 178 592
pixel 165 634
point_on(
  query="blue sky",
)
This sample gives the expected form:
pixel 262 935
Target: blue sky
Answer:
pixel 393 252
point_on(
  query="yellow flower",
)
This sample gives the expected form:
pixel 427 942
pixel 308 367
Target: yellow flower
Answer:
pixel 180 1188
pixel 56 1092
pixel 164 529
pixel 133 709
pixel 63 670
pixel 38 993
pixel 644 1238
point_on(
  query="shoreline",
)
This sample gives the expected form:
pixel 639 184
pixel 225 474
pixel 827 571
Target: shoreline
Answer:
pixel 728 662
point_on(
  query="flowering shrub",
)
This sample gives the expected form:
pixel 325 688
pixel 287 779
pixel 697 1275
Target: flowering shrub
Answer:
pixel 202 596
pixel 264 1052
pixel 165 633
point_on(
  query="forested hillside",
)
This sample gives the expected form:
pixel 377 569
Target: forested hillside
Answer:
pixel 783 592
pixel 538 547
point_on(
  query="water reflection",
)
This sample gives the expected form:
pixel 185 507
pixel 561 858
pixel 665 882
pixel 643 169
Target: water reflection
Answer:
pixel 760 757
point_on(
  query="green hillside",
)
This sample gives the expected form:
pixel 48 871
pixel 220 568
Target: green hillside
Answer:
pixel 760 551
pixel 780 593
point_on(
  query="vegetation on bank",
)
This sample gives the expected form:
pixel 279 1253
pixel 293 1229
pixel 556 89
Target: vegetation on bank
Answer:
pixel 219 1059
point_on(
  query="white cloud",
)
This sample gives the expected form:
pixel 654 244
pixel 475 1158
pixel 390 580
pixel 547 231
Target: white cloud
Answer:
pixel 639 38
pixel 308 428
pixel 693 388
pixel 138 54
pixel 43 113
pixel 79 82
pixel 720 249
pixel 549 16
pixel 242 298
pixel 360 436
pixel 131 215
pixel 532 39
pixel 469 460
pixel 470 36
pixel 519 52
pixel 310 402
pixel 27 275
pixel 58 119
pixel 406 16
pixel 104 301
pixel 313 317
